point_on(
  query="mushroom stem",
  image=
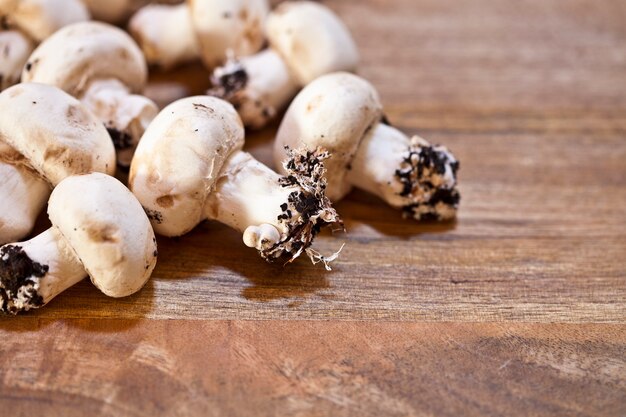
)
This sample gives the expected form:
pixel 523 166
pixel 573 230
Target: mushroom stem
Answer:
pixel 248 195
pixel 23 194
pixel 125 115
pixel 34 272
pixel 165 34
pixel 279 216
pixel 16 48
pixel 408 173
pixel 259 86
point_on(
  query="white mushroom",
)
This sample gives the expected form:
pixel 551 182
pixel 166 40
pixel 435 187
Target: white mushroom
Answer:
pixel 45 136
pixel 41 18
pixel 206 29
pixel 118 11
pixel 26 22
pixel 342 113
pixel 189 167
pixel 98 229
pixel 15 47
pixel 102 66
pixel 307 40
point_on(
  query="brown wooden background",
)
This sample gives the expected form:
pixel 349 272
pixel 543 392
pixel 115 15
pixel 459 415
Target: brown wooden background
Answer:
pixel 518 308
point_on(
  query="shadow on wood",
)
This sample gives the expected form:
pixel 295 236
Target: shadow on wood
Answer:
pixel 218 247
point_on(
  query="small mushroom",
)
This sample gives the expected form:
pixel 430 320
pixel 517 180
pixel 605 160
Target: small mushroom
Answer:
pixel 206 29
pixel 27 22
pixel 342 113
pixel 99 230
pixel 45 136
pixel 41 18
pixel 307 40
pixel 189 167
pixel 118 11
pixel 102 66
pixel 15 47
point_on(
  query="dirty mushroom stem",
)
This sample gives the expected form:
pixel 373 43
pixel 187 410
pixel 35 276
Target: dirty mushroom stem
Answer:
pixel 34 272
pixel 126 115
pixel 408 173
pixel 279 216
pixel 257 85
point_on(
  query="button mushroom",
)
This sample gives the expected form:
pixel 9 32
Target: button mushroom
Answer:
pixel 15 47
pixel 189 167
pixel 41 18
pixel 117 11
pixel 307 40
pixel 342 113
pixel 98 229
pixel 206 29
pixel 45 136
pixel 103 67
pixel 27 22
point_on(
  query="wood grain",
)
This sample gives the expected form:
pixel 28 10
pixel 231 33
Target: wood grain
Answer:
pixel 267 368
pixel 517 308
pixel 531 96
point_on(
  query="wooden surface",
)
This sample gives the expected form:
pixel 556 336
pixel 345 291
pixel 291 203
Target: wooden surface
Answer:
pixel 517 308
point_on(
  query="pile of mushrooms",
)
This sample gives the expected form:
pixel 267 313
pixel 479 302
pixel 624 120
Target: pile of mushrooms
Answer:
pixel 45 136
pixel 79 112
pixel 101 66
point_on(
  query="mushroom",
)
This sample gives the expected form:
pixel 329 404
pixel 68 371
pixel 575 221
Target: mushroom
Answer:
pixel 206 29
pixel 45 136
pixel 118 11
pixel 189 167
pixel 41 18
pixel 99 230
pixel 15 47
pixel 342 113
pixel 307 40
pixel 102 66
pixel 27 22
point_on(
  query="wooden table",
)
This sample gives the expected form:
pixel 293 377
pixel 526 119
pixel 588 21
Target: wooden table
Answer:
pixel 518 308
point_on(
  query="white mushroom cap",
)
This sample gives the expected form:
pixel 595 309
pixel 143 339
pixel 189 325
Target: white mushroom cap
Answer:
pixel 223 25
pixel 312 40
pixel 15 48
pixel 113 11
pixel 117 11
pixel 41 18
pixel 179 158
pixel 91 50
pixel 334 111
pixel 165 34
pixel 107 228
pixel 53 133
